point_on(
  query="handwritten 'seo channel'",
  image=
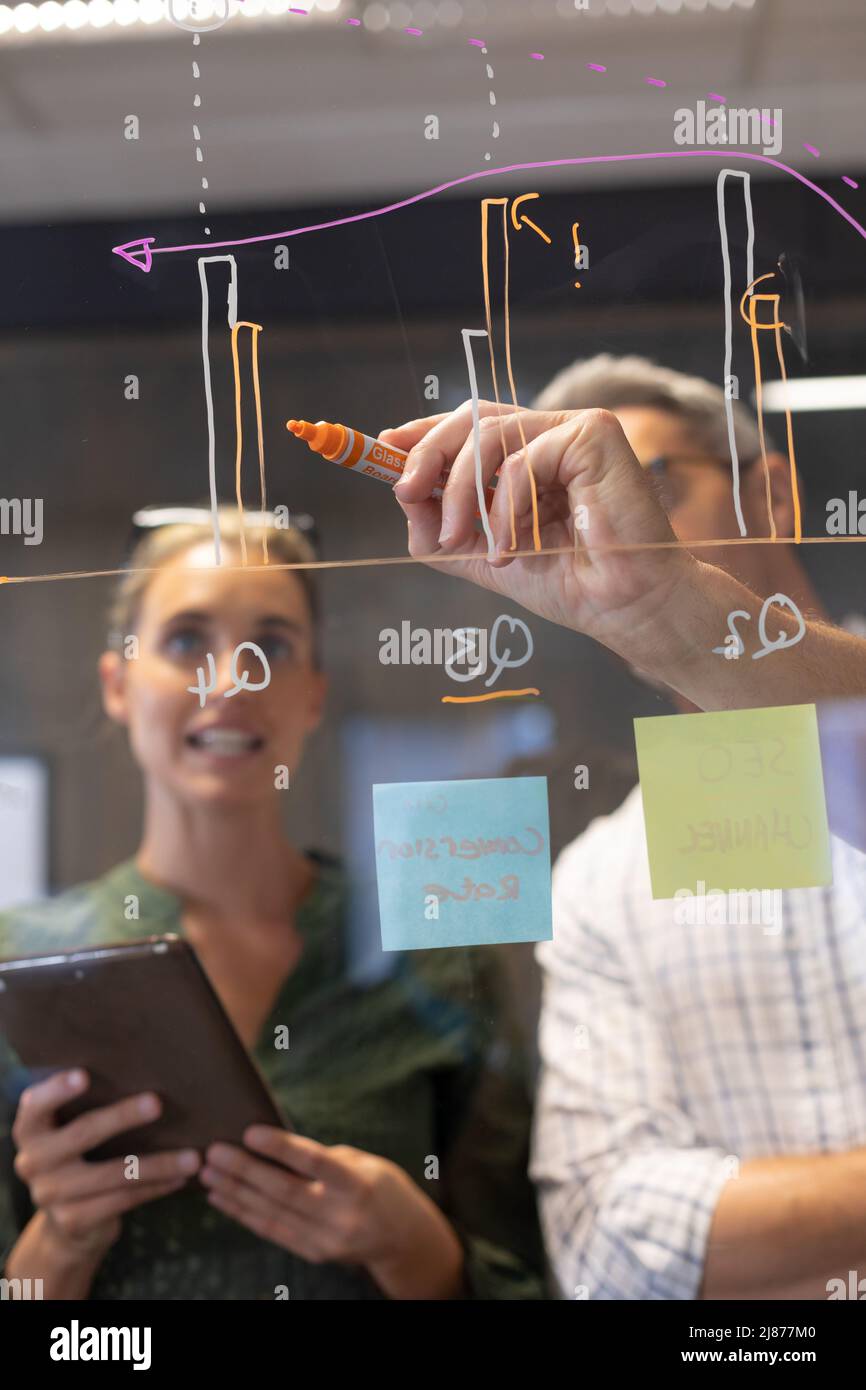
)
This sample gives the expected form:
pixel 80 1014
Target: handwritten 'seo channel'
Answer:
pixel 205 687
pixel 462 863
pixel 734 798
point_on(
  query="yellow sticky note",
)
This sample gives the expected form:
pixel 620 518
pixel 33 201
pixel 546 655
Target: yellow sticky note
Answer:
pixel 734 801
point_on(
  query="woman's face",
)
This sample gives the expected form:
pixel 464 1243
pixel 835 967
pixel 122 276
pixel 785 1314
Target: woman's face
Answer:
pixel 231 749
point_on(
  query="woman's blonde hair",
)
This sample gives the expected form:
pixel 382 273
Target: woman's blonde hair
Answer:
pixel 285 546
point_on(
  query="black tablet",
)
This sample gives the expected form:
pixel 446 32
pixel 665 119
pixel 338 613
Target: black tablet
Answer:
pixel 141 1016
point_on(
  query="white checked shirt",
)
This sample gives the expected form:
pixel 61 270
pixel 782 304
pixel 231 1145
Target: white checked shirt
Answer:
pixel 672 1053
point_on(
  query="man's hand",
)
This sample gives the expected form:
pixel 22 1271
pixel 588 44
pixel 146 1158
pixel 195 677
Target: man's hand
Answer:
pixel 626 582
pixel 573 459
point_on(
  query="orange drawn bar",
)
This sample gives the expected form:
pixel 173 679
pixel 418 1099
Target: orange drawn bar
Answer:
pixel 255 329
pixel 775 325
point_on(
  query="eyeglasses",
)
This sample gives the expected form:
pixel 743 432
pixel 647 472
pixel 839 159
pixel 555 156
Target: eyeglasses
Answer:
pixel 148 519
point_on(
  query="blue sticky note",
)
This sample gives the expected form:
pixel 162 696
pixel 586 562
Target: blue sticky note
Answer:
pixel 462 863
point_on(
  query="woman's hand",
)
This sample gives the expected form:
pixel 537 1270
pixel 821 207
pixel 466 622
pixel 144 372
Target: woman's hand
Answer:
pixel 79 1203
pixel 338 1204
pixel 573 459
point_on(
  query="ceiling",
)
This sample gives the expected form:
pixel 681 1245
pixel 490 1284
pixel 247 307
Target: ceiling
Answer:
pixel 309 108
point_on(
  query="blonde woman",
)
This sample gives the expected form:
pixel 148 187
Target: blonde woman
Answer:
pixel 406 1176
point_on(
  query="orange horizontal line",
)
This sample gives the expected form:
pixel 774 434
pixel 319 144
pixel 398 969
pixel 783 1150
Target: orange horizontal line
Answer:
pixel 494 695
pixel 438 559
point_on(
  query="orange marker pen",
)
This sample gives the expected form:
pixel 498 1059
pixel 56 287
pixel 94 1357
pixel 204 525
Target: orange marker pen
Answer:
pixel 352 449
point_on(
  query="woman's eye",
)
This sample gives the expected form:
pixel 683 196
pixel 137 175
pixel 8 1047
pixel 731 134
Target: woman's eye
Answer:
pixel 184 642
pixel 277 648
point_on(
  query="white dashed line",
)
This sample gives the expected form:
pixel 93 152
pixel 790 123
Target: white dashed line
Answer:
pixel 490 75
pixel 196 132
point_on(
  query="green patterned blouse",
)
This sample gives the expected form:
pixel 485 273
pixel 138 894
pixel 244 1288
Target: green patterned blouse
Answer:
pixel 419 1065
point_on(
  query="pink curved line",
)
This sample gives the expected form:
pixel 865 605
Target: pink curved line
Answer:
pixel 516 169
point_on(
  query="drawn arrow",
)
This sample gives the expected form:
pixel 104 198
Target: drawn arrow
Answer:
pixel 519 222
pixel 140 252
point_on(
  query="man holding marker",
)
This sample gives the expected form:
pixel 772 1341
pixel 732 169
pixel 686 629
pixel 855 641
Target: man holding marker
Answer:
pixel 701 1127
pixel 627 582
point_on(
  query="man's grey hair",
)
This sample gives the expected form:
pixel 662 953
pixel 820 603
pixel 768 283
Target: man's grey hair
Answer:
pixel 610 383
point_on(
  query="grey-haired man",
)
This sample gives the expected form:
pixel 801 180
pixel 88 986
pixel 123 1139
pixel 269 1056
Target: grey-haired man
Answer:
pixel 701 1126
